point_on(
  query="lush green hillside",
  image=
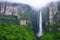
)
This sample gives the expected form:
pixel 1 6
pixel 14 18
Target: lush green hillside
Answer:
pixel 16 32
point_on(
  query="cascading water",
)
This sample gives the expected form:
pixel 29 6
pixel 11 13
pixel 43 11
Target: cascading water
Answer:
pixel 40 33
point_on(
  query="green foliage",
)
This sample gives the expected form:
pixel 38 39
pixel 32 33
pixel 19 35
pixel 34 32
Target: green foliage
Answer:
pixel 47 36
pixel 51 36
pixel 57 36
pixel 16 32
pixel 53 27
pixel 54 34
pixel 6 17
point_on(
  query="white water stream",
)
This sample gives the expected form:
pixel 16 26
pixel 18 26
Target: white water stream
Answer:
pixel 40 33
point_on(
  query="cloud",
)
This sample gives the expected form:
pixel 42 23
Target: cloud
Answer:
pixel 34 3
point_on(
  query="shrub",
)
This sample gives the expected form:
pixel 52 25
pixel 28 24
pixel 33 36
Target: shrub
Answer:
pixel 51 36
pixel 16 32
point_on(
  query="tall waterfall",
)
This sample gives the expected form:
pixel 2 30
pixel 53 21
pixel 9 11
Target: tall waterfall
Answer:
pixel 40 33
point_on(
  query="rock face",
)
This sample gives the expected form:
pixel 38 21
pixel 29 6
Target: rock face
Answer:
pixel 13 8
pixel 8 8
pixel 51 16
pixel 52 13
pixel 22 11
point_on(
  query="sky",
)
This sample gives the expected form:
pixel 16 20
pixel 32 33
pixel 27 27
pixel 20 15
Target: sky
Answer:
pixel 33 3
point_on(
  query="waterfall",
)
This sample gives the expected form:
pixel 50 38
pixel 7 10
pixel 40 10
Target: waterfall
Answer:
pixel 40 33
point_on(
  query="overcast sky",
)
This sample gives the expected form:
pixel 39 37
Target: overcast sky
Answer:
pixel 34 3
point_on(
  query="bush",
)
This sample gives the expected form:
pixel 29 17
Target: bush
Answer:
pixel 51 36
pixel 53 27
pixel 16 32
pixel 54 34
pixel 47 36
